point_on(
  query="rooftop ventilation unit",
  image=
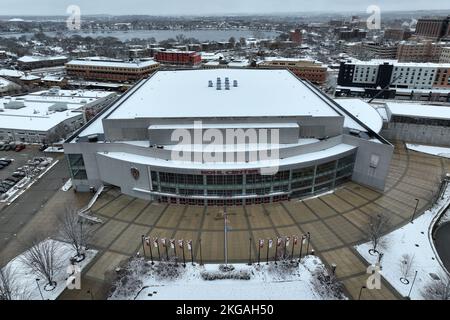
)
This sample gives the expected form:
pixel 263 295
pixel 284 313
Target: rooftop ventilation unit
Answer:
pixel 210 83
pixel 235 83
pixel 58 107
pixel 219 84
pixel 13 104
pixel 227 86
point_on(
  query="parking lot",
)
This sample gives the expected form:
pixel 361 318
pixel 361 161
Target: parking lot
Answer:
pixel 19 160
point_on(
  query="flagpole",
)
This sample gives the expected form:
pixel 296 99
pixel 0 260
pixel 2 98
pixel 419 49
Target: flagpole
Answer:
pixel 301 248
pixel 267 257
pixel 143 248
pixel 151 253
pixel 175 251
pixel 293 245
pixel 276 250
pixel 184 258
pixel 250 251
pixel 308 235
pixel 159 252
pixel 200 243
pixel 259 250
pixel 225 230
pixel 167 249
pixel 284 251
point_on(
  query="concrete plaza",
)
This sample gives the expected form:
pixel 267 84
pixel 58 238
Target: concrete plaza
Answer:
pixel 335 221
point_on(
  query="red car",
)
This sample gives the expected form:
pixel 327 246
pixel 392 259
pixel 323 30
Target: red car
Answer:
pixel 20 147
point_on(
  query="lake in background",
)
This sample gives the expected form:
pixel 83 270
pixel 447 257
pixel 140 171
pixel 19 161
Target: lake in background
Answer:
pixel 159 35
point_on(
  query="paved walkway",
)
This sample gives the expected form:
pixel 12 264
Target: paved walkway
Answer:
pixel 336 222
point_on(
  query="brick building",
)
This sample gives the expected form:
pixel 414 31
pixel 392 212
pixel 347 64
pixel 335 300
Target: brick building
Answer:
pixel 189 58
pixel 433 28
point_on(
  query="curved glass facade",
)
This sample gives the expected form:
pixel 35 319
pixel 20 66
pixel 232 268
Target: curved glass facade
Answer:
pixel 238 189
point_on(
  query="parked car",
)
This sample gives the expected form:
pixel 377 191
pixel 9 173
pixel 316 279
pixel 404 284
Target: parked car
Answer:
pixel 4 163
pixel 9 183
pixel 6 147
pixel 1 166
pixel 43 147
pixel 7 160
pixel 13 179
pixel 2 147
pixel 19 147
pixel 18 174
pixel 5 186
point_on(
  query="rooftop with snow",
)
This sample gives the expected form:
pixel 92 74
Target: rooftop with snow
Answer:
pixel 41 111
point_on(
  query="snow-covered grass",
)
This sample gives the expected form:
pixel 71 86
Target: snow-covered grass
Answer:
pixel 25 279
pixel 413 239
pixel 142 281
pixel 437 151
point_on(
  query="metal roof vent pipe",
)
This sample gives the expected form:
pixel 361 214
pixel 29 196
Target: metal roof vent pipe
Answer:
pixel 235 83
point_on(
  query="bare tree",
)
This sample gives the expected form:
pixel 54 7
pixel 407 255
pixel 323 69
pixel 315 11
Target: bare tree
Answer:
pixel 42 259
pixel 10 288
pixel 75 232
pixel 406 265
pixel 376 228
pixel 437 289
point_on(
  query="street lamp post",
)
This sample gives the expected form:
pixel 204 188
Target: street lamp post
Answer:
pixel 360 292
pixel 301 247
pixel 412 284
pixel 415 209
pixel 39 288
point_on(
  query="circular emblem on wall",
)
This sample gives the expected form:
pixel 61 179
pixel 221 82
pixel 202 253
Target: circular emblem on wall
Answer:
pixel 135 173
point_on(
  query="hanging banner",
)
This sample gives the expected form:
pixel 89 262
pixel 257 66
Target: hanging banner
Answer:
pixel 155 242
pixel 189 243
pixel 270 241
pixel 287 241
pixel 180 243
pixel 295 240
pixel 261 243
pixel 163 241
pixel 279 240
pixel 172 243
pixel 147 241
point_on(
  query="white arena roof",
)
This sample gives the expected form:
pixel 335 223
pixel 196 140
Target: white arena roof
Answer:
pixel 363 112
pixel 185 94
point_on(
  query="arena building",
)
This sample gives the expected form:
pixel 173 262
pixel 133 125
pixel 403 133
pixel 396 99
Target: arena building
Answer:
pixel 320 143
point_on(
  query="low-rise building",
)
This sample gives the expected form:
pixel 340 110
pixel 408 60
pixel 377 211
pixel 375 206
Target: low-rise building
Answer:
pixel 426 51
pixel 48 116
pixel 105 69
pixel 310 70
pixel 36 62
pixel 177 57
pixel 7 86
pixel 445 55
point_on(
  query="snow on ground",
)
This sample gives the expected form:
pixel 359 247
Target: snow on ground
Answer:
pixel 67 185
pixel 413 239
pixel 437 151
pixel 26 279
pixel 266 282
pixel 54 149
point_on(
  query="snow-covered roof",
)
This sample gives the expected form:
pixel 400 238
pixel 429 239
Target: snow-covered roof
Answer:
pixel 11 73
pixel 112 64
pixel 419 110
pixel 33 111
pixel 364 112
pixel 29 77
pixel 27 59
pixel 185 94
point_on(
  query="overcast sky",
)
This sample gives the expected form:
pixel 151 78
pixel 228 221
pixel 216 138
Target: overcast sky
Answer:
pixel 189 7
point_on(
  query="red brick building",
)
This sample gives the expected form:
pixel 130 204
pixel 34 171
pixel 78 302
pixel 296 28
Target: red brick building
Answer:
pixel 190 58
pixel 296 36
